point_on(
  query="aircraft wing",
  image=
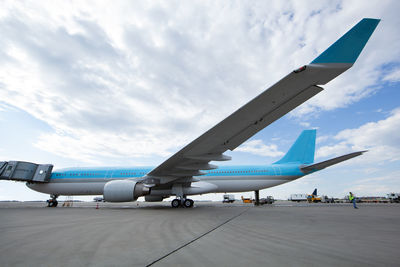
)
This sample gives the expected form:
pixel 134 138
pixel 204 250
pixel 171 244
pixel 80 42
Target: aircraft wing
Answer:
pixel 288 93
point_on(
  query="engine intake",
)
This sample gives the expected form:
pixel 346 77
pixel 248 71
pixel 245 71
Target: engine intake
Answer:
pixel 124 191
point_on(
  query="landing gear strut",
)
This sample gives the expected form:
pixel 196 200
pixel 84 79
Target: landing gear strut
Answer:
pixel 257 198
pixel 184 202
pixel 52 202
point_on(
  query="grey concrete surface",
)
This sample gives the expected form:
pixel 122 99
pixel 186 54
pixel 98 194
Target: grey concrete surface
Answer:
pixel 211 234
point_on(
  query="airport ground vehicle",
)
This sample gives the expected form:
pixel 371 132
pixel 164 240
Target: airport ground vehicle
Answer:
pixel 228 199
pixel 314 198
pixel 247 200
pixel 394 197
pixel 326 199
pixel 298 197
pixel 267 200
pixel 98 199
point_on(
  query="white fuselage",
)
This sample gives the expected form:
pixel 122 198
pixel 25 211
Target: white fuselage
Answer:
pixel 227 179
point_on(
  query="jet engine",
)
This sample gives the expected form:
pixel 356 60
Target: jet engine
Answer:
pixel 124 191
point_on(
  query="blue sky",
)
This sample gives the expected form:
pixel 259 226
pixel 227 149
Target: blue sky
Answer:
pixel 88 84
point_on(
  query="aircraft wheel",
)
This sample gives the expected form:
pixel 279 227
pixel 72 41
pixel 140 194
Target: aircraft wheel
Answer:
pixel 188 203
pixel 55 203
pixel 175 203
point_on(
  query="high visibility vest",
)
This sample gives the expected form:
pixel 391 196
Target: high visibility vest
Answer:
pixel 351 197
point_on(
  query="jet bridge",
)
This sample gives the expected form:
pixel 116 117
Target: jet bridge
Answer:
pixel 25 171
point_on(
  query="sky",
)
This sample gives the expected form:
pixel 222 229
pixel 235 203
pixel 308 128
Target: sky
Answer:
pixel 89 83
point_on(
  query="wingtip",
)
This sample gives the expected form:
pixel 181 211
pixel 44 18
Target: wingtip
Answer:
pixel 349 46
pixel 372 19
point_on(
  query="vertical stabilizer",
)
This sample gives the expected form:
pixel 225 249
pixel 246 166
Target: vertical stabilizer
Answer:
pixel 315 192
pixel 302 151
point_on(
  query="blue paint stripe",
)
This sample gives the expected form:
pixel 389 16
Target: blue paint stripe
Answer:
pixel 282 169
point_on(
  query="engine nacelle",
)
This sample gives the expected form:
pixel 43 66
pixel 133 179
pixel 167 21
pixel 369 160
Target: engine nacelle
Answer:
pixel 124 191
pixel 150 198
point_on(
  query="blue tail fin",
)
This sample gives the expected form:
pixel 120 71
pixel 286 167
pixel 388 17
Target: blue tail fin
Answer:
pixel 302 151
pixel 315 192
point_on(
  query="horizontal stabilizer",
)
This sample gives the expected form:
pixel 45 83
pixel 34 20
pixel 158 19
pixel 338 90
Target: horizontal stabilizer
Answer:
pixel 329 162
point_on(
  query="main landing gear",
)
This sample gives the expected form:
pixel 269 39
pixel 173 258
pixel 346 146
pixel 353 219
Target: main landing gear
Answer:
pixel 184 202
pixel 52 202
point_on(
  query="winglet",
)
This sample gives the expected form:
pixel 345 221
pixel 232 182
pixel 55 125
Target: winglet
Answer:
pixel 349 46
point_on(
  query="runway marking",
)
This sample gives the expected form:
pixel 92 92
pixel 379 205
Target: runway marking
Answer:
pixel 197 238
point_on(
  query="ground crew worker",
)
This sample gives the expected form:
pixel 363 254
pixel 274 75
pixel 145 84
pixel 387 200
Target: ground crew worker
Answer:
pixel 353 199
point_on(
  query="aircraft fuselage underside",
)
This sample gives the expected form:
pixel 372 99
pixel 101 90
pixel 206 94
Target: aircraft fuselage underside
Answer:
pixel 205 185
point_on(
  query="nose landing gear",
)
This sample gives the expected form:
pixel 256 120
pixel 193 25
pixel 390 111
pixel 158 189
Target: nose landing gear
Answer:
pixel 52 202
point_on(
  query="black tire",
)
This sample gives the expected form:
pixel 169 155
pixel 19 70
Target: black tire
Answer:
pixel 55 203
pixel 175 203
pixel 187 203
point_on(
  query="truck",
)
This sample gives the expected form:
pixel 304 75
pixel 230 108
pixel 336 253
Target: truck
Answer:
pixel 326 199
pixel 298 197
pixel 267 200
pixel 228 199
pixel 394 197
pixel 98 199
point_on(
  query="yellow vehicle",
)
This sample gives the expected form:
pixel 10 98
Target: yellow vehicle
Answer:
pixel 314 198
pixel 247 200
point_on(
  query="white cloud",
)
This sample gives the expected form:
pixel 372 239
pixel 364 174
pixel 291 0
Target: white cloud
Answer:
pixel 257 147
pixel 145 78
pixel 393 76
pixel 377 185
pixel 323 138
pixel 381 138
pixel 305 124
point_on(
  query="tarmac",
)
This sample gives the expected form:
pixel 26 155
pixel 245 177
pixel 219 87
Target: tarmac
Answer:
pixel 210 234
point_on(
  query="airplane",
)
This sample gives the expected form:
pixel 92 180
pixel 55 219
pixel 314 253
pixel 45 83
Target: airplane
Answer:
pixel 189 172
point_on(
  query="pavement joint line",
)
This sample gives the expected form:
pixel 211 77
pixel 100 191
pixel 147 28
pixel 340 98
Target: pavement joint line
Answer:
pixel 197 238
